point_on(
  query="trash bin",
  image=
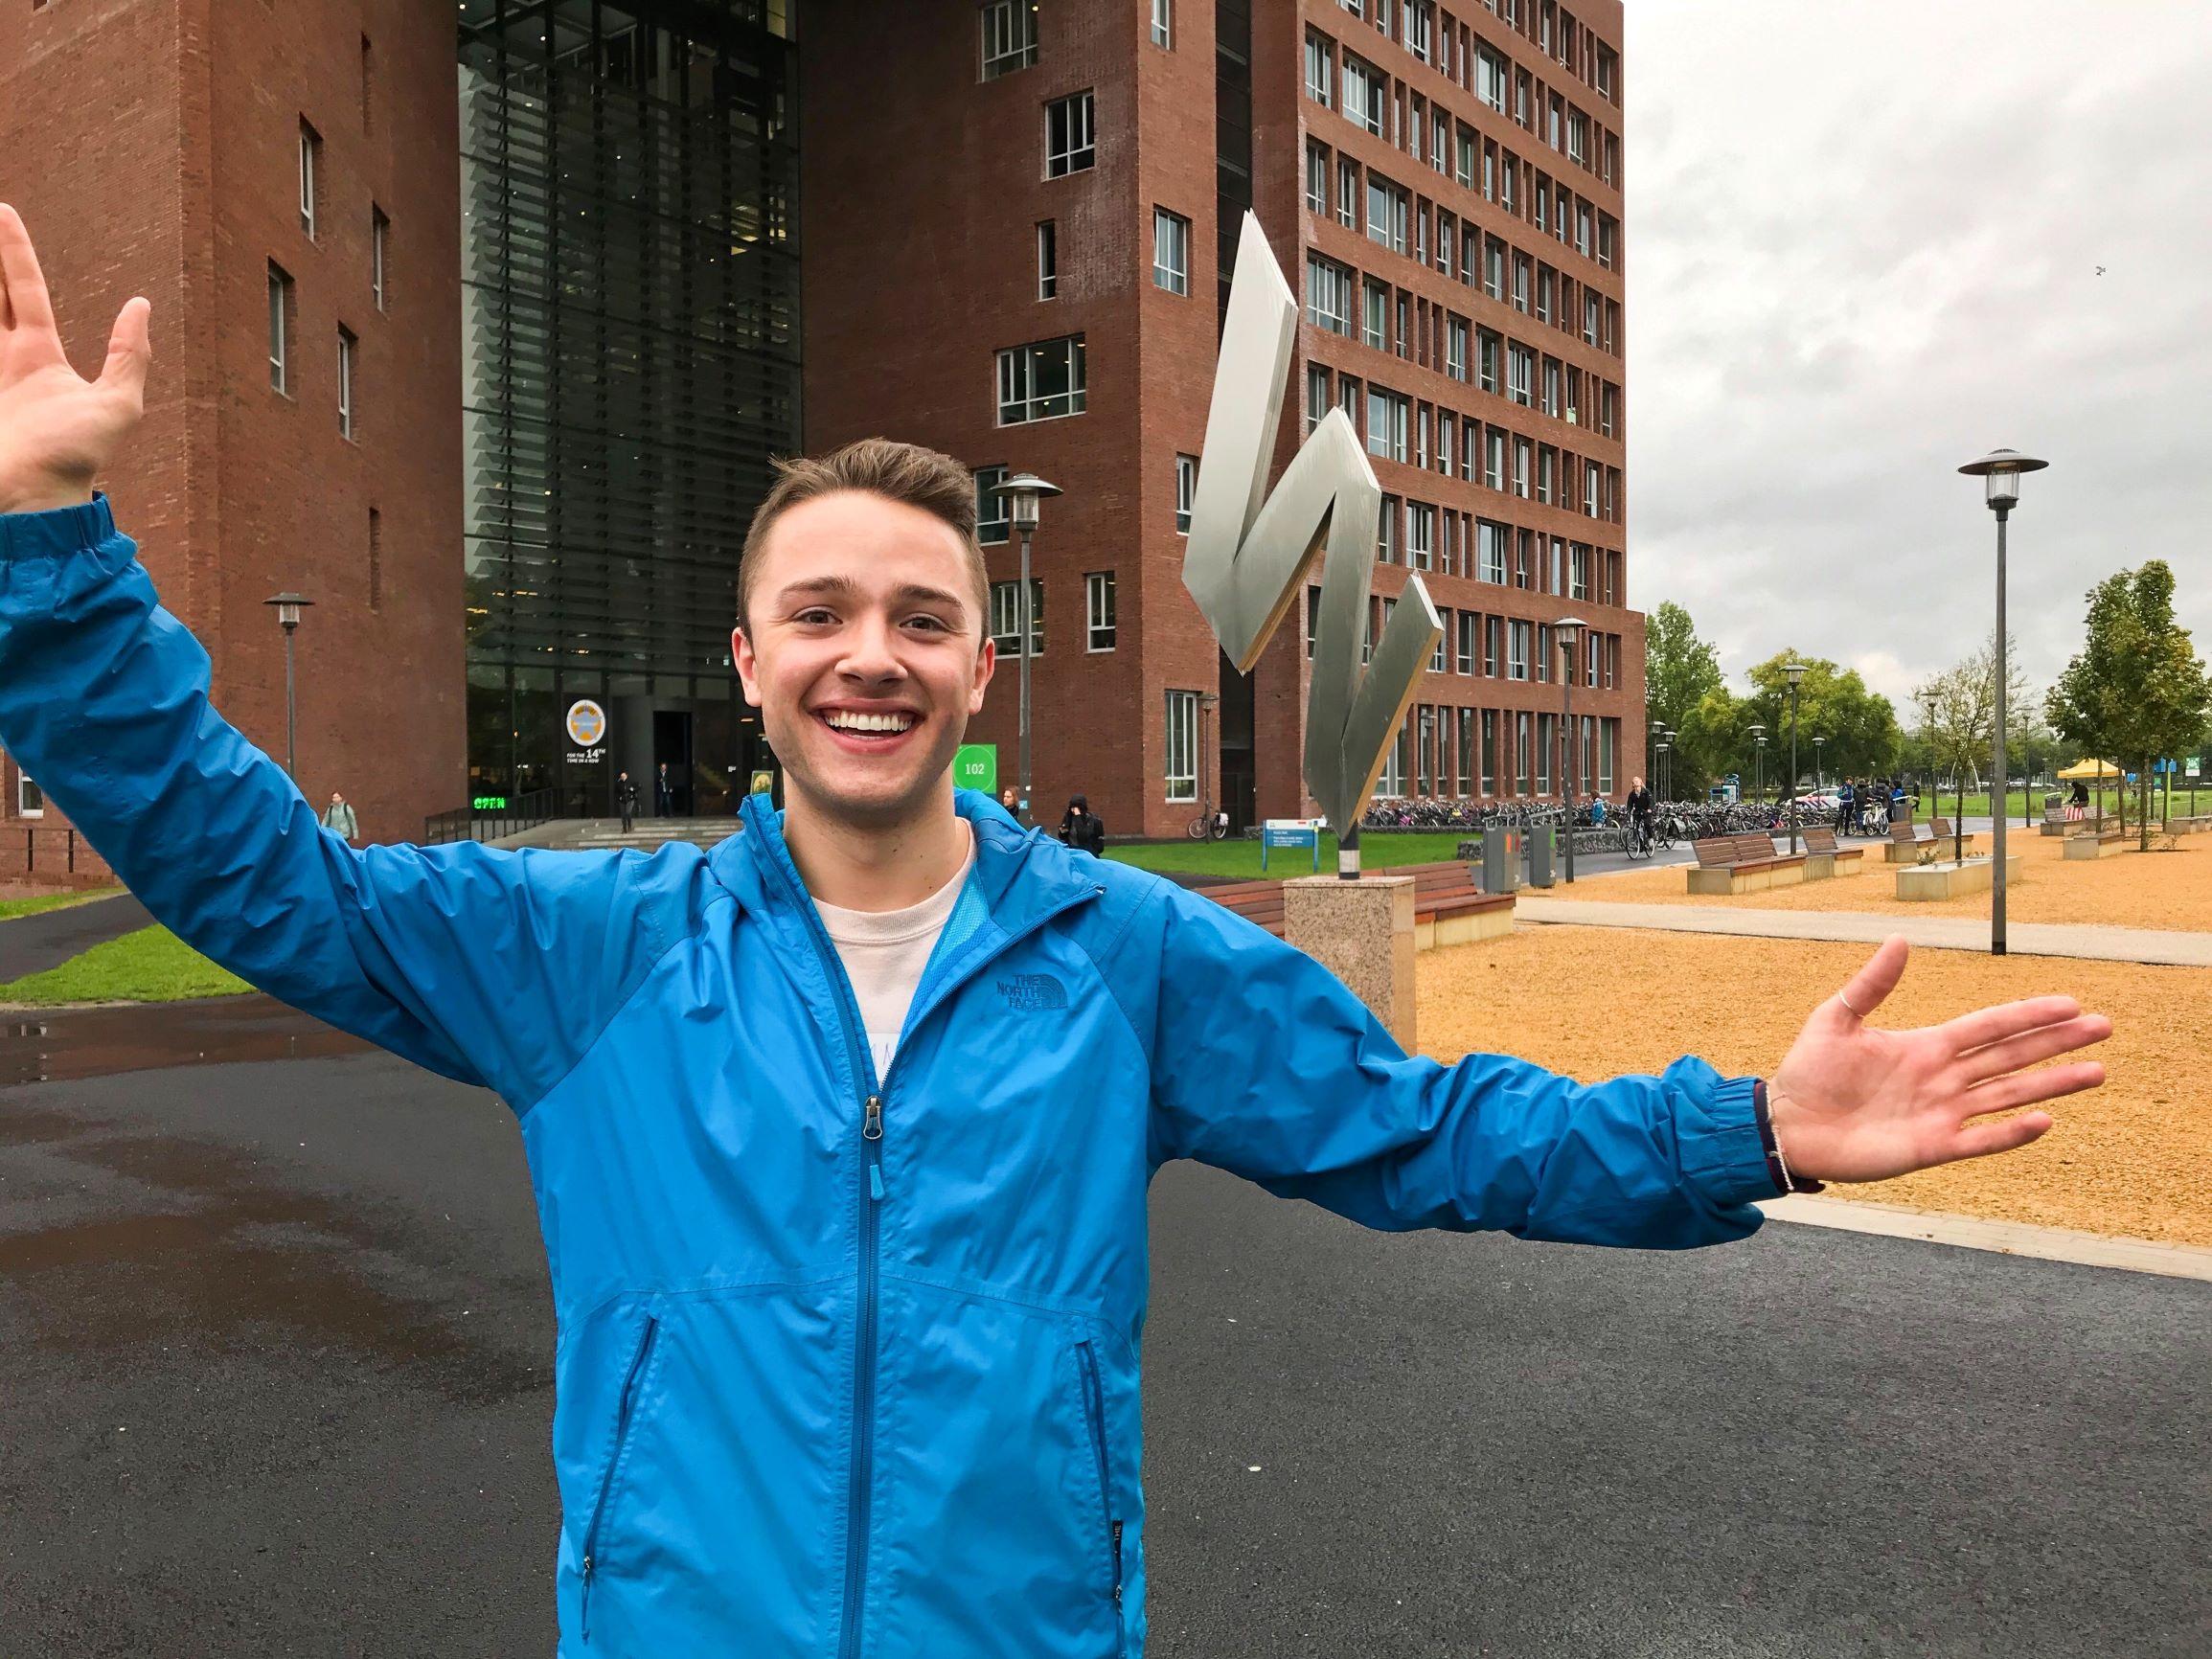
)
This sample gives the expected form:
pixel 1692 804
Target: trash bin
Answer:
pixel 1542 839
pixel 1500 860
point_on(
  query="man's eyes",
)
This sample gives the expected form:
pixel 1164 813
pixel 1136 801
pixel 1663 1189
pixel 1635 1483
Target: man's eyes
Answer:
pixel 815 616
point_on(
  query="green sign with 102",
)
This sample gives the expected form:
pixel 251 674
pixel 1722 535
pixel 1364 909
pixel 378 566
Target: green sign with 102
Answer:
pixel 975 766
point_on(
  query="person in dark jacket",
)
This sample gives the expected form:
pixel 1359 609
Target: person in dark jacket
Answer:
pixel 841 1132
pixel 1079 827
pixel 664 794
pixel 626 800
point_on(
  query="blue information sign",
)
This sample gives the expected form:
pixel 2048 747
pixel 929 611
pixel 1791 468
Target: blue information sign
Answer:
pixel 1290 835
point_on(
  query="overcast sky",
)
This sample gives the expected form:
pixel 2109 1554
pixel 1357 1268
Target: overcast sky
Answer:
pixel 1862 245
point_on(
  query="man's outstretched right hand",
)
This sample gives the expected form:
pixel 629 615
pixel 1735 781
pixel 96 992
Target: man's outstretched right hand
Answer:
pixel 57 431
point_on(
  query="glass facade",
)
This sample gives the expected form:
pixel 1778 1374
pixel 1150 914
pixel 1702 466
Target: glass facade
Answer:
pixel 631 294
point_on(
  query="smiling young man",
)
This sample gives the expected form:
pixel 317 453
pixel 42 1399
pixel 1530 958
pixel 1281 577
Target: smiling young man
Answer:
pixel 841 1134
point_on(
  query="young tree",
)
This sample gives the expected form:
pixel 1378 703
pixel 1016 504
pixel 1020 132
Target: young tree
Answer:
pixel 1833 703
pixel 1679 667
pixel 1963 737
pixel 2136 692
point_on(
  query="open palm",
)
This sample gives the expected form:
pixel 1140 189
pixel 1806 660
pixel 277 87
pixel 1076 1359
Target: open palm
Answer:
pixel 57 429
pixel 1852 1104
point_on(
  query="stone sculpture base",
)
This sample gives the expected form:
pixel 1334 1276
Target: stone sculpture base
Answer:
pixel 1362 932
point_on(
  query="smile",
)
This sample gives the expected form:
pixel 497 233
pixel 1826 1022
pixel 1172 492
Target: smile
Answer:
pixel 888 724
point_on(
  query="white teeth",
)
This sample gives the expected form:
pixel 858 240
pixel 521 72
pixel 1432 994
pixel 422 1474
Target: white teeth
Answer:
pixel 845 720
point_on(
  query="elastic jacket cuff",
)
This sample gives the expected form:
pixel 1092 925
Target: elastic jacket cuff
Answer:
pixel 1722 1150
pixel 56 534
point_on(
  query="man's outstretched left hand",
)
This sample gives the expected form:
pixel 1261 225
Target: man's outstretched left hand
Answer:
pixel 1851 1104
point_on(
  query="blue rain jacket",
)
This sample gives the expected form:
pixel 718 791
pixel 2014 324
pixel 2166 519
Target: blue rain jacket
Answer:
pixel 847 1364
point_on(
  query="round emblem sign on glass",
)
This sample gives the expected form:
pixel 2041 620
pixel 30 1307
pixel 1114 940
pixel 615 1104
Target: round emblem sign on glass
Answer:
pixel 587 722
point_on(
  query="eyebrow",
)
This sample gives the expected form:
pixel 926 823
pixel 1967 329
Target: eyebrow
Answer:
pixel 844 587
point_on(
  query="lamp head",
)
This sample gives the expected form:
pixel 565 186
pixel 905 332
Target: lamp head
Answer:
pixel 1022 493
pixel 2000 470
pixel 288 607
pixel 1794 672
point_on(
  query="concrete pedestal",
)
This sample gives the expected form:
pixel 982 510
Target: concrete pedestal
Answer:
pixel 1362 932
pixel 2109 845
pixel 1954 880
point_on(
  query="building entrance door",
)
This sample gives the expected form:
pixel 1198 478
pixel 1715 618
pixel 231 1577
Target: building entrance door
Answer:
pixel 672 747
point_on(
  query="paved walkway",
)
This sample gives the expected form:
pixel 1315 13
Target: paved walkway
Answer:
pixel 2162 947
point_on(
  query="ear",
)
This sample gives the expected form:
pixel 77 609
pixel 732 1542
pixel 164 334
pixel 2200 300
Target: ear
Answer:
pixel 748 663
pixel 986 664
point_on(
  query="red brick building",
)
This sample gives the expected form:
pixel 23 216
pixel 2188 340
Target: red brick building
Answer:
pixel 224 157
pixel 1017 220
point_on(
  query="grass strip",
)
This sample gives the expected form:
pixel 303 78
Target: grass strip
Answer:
pixel 152 965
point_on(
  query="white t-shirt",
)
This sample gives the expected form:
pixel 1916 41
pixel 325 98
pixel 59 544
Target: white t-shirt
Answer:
pixel 884 952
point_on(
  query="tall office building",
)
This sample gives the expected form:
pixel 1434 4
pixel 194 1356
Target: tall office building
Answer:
pixel 1023 217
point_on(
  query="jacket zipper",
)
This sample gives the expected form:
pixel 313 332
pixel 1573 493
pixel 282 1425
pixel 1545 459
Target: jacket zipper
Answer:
pixel 624 1414
pixel 1094 1416
pixel 858 1500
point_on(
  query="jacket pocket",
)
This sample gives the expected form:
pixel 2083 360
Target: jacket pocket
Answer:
pixel 626 1420
pixel 1110 1527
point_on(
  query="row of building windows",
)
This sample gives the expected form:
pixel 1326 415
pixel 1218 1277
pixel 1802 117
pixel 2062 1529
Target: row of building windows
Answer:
pixel 1448 751
pixel 1462 55
pixel 1455 151
pixel 1171 254
pixel 1419 433
pixel 1006 630
pixel 284 310
pixel 1402 324
pixel 1009 31
pixel 1482 644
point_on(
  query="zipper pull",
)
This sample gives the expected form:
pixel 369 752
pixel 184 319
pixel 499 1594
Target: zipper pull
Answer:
pixel 871 1132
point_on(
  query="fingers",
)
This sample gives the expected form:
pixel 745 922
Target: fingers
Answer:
pixel 2005 1135
pixel 1989 1025
pixel 2032 1047
pixel 1873 982
pixel 25 287
pixel 128 352
pixel 2026 1088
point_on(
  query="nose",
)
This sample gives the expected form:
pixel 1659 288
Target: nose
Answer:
pixel 871 654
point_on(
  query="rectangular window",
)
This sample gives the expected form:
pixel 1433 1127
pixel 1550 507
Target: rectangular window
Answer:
pixel 368 88
pixel 279 329
pixel 1348 194
pixel 1163 23
pixel 1466 650
pixel 310 160
pixel 1006 617
pixel 1391 785
pixel 1182 744
pixel 379 231
pixel 1488 349
pixel 1186 491
pixel 30 799
pixel 1546 736
pixel 1521 747
pixel 1328 295
pixel 1455 348
pixel 1490 540
pixel 1317 68
pixel 1070 135
pixel 1425 752
pixel 1488 782
pixel 1579 571
pixel 1363 87
pixel 1388 415
pixel 1609 746
pixel 1098 589
pixel 1523 455
pixel 993 511
pixel 1494 460
pixel 346 345
pixel 1375 315
pixel 1009 37
pixel 1518 646
pixel 1316 177
pixel 1419 27
pixel 1521 373
pixel 1313 618
pixel 1493 645
pixel 1316 395
pixel 1494 268
pixel 1420 543
pixel 1386 532
pixel 1041 383
pixel 1490 79
pixel 1171 251
pixel 1047 259
pixel 1465 748
pixel 1464 169
pixel 1440 144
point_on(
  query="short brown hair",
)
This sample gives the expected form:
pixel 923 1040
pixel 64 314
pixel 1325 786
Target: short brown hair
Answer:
pixel 906 472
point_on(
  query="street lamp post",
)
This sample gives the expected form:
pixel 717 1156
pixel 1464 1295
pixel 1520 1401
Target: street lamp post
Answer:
pixel 1796 671
pixel 1659 735
pixel 2002 469
pixel 1022 494
pixel 1569 630
pixel 1758 761
pixel 1659 763
pixel 1820 778
pixel 288 607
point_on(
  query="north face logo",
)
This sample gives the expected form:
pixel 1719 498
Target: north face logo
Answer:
pixel 1033 992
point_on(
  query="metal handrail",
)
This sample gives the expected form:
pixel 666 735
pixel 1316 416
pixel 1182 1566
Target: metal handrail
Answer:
pixel 468 824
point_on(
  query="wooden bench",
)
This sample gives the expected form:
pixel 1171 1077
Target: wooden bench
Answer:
pixel 1259 902
pixel 1824 857
pixel 1942 829
pixel 1737 864
pixel 1450 908
pixel 1907 842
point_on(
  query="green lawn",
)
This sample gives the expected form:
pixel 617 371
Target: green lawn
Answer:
pixel 1240 859
pixel 150 966
pixel 9 908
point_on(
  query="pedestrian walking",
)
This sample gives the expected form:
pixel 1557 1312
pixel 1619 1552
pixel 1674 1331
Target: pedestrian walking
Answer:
pixel 339 818
pixel 626 800
pixel 1846 803
pixel 664 795
pixel 841 1131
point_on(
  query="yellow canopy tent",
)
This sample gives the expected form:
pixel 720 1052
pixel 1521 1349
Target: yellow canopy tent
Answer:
pixel 2089 771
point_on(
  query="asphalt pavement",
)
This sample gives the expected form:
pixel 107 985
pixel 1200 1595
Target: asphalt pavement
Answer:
pixel 275 1346
pixel 49 938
